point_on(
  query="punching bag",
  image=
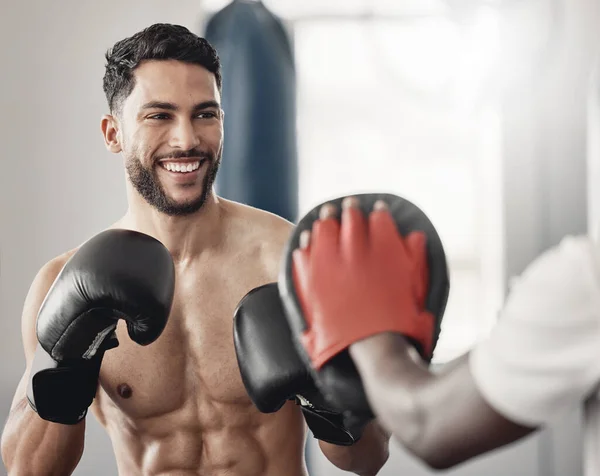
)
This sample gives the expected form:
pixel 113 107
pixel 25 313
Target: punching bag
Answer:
pixel 259 166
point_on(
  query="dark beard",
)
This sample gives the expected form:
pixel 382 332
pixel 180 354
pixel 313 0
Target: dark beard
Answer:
pixel 145 181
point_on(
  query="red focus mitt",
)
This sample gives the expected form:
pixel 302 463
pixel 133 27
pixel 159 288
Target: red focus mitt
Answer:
pixel 365 272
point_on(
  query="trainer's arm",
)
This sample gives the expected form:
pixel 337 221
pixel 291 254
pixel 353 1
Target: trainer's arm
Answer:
pixel 442 419
pixel 30 445
pixel 366 457
pixel 539 361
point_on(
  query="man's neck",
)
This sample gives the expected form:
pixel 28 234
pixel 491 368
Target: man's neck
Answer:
pixel 186 237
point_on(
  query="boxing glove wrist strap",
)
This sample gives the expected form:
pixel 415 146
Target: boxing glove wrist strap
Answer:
pixel 328 425
pixel 61 392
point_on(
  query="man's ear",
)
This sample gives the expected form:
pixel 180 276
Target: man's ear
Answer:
pixel 110 131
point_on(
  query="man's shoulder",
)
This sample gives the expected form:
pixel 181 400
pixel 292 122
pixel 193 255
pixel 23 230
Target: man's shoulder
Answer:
pixel 51 268
pixel 260 236
pixel 41 284
pixel 261 224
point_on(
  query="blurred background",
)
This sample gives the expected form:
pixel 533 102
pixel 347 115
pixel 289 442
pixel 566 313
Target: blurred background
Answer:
pixel 483 113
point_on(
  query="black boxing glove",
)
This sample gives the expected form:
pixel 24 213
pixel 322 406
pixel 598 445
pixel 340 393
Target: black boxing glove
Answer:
pixel 273 372
pixel 117 274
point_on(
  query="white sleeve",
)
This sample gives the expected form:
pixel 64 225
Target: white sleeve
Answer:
pixel 543 356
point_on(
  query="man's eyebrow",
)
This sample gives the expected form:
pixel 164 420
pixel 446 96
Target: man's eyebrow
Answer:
pixel 173 107
pixel 160 105
pixel 206 105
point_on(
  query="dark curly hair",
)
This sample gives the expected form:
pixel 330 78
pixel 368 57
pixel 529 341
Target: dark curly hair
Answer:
pixel 161 41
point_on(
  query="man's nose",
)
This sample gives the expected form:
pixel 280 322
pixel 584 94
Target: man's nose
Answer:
pixel 184 135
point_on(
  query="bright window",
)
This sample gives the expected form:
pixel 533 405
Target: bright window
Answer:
pixel 382 107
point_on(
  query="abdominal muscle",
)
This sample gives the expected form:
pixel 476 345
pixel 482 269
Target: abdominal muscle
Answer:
pixel 208 438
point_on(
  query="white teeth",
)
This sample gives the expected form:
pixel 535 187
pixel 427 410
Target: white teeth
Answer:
pixel 175 167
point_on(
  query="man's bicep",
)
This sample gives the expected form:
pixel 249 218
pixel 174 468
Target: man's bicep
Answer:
pixel 35 297
pixel 33 301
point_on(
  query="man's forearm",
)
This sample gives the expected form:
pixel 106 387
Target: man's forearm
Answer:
pixel 31 445
pixel 366 457
pixel 441 418
pixel 391 376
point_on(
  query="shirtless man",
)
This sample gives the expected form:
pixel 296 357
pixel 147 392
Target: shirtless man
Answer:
pixel 176 405
pixel 541 360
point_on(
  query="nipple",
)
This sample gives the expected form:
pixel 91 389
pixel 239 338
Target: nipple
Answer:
pixel 124 390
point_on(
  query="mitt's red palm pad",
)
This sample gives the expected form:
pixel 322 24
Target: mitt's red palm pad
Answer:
pixel 350 280
pixel 358 279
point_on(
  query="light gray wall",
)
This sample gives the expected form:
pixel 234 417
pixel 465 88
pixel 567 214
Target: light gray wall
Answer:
pixel 52 101
pixel 58 183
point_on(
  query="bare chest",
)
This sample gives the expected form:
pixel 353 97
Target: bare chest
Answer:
pixel 192 365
